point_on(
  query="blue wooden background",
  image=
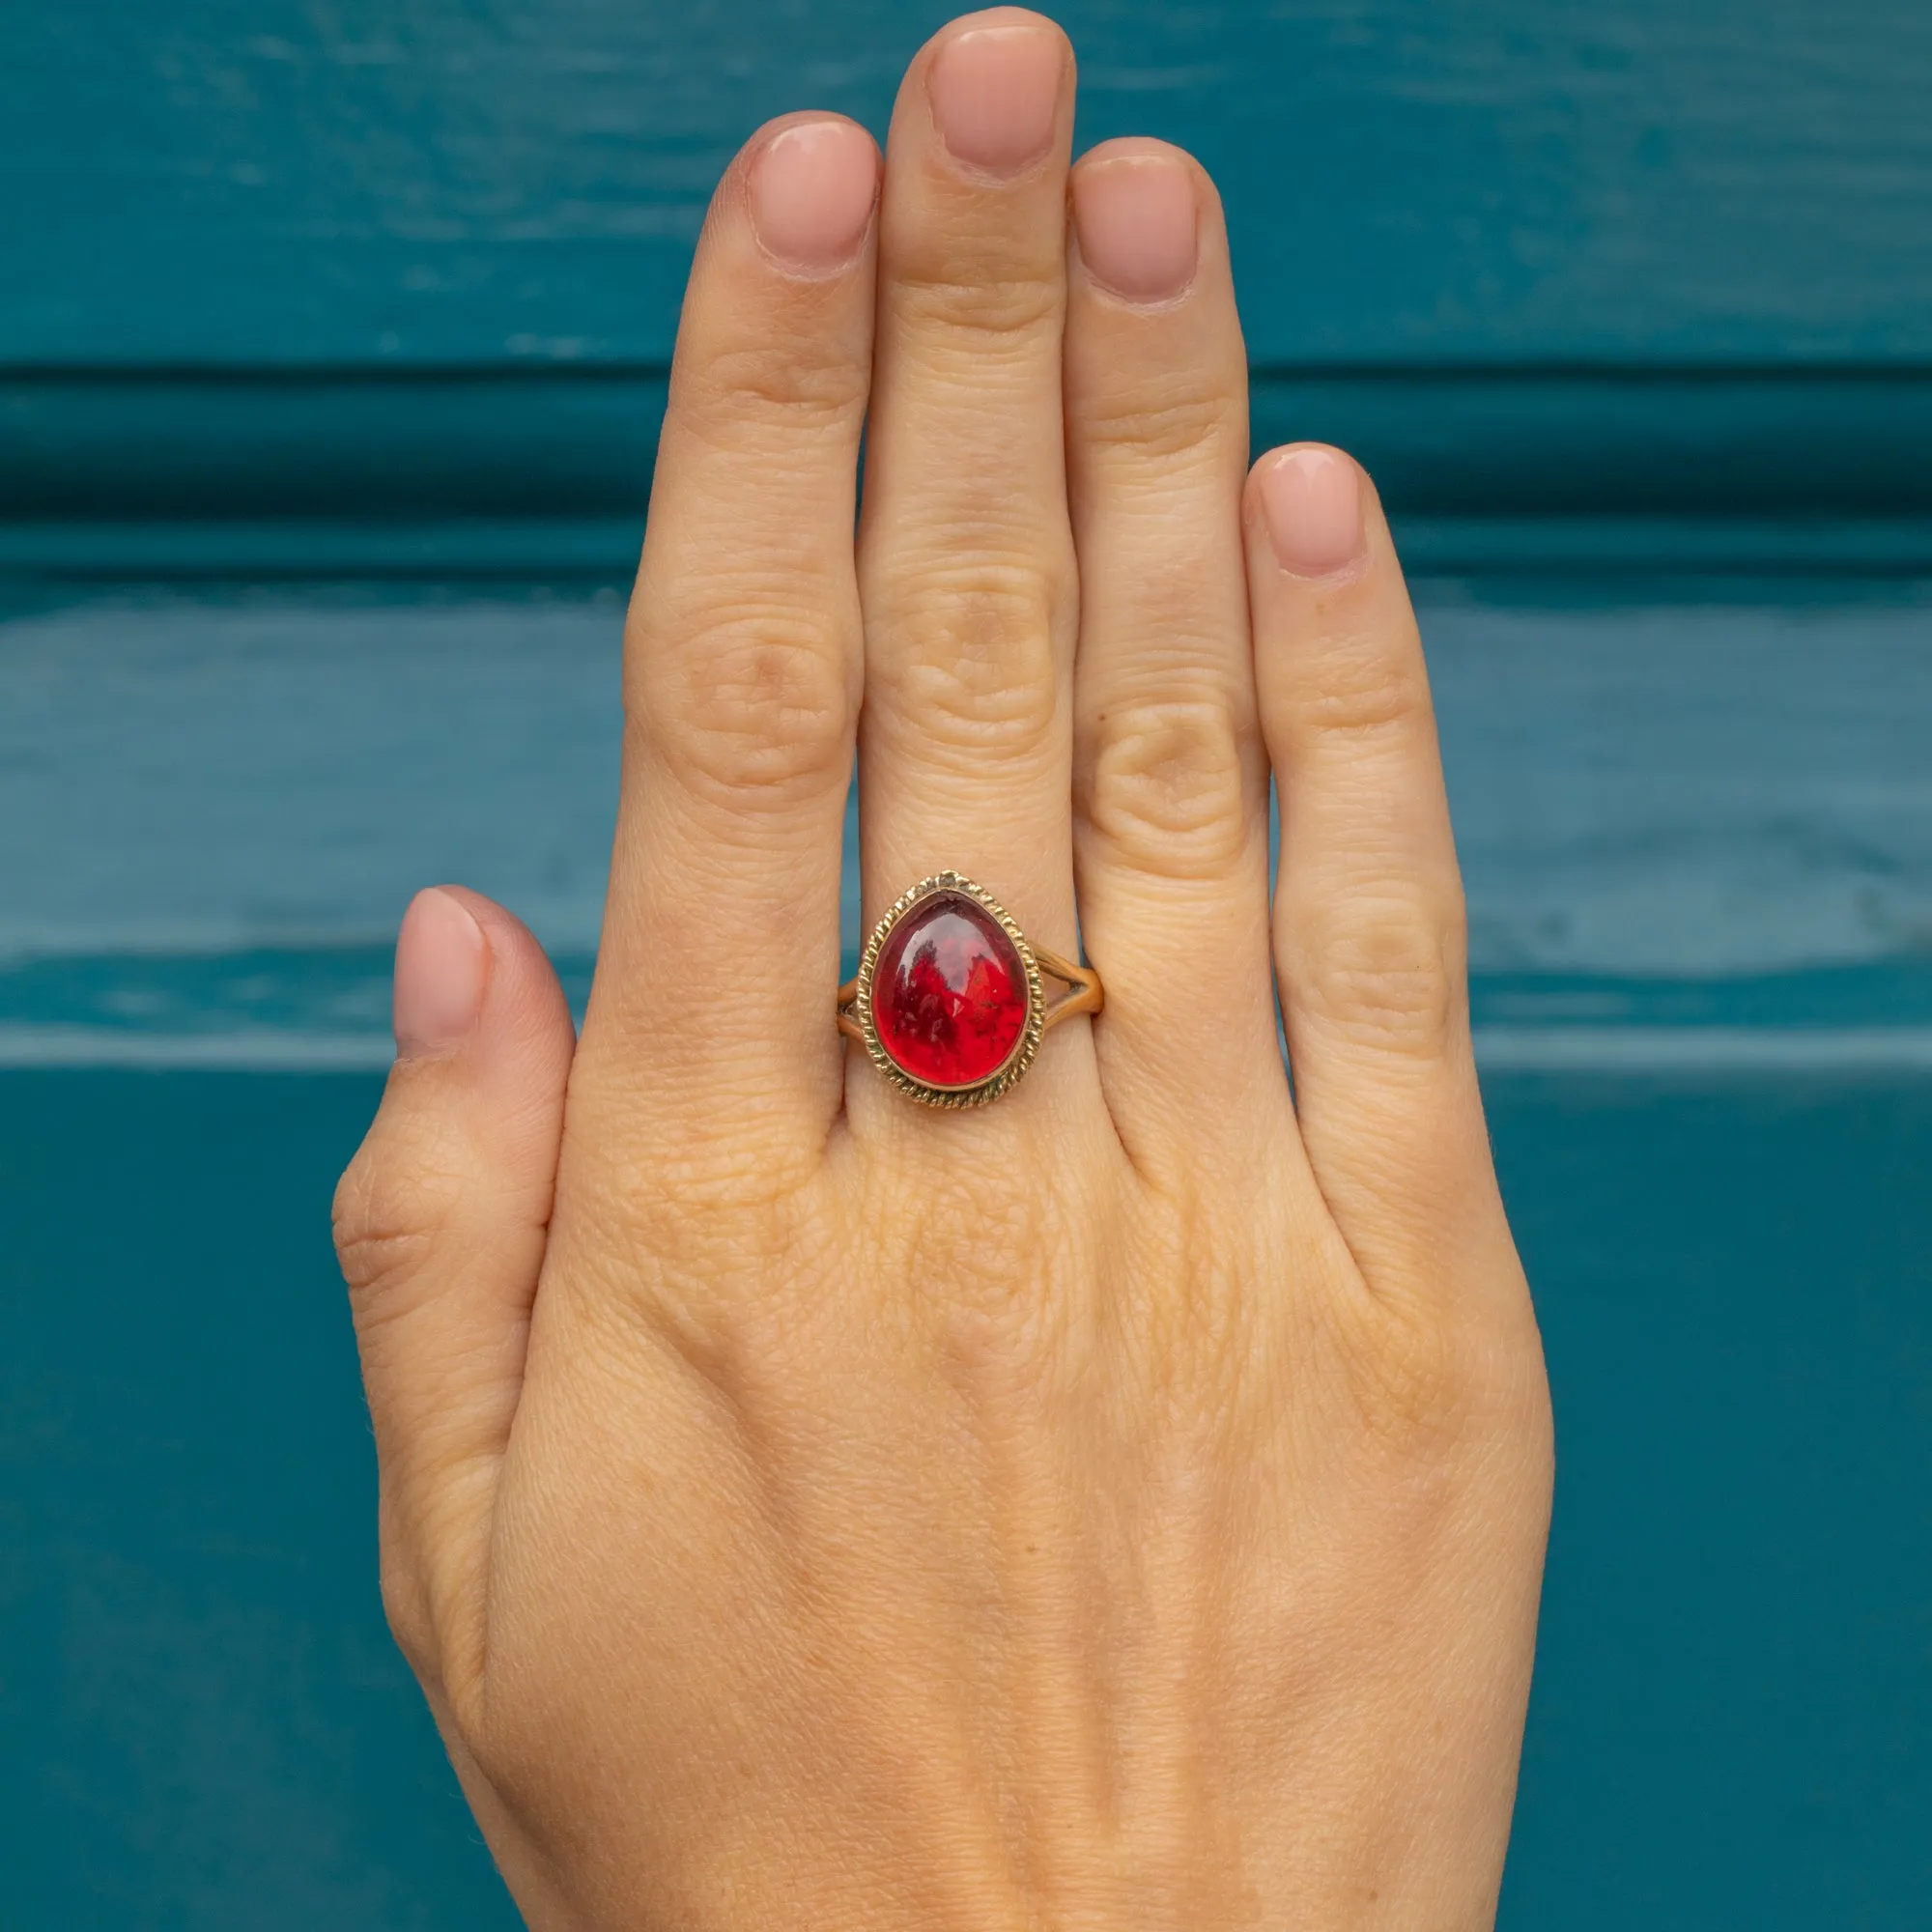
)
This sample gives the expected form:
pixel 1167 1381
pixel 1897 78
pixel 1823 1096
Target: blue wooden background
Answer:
pixel 332 345
pixel 383 286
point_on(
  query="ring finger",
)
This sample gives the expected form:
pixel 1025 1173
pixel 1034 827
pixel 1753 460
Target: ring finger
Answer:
pixel 1170 784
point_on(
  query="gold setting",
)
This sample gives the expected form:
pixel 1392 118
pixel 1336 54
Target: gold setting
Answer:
pixel 855 998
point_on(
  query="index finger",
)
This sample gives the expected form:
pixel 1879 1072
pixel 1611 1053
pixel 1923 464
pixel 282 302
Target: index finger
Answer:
pixel 713 1000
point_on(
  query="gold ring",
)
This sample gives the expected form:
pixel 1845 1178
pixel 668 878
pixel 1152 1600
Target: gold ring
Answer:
pixel 949 1000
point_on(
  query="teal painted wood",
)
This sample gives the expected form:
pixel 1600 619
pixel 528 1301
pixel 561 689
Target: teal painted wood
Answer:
pixel 212 811
pixel 559 443
pixel 210 1731
pixel 246 180
pixel 540 472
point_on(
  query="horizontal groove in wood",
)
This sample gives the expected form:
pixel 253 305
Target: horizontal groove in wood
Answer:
pixel 604 549
pixel 547 444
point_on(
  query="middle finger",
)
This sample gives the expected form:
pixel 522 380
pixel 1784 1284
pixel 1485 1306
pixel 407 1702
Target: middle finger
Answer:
pixel 966 566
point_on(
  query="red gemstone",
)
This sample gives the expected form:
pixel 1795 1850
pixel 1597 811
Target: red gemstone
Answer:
pixel 949 992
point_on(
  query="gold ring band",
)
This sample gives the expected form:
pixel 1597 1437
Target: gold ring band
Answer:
pixel 950 1002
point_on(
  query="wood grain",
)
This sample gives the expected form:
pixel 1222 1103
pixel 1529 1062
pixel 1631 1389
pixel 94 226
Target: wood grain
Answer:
pixel 240 181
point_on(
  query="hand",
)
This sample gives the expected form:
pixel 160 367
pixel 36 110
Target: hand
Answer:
pixel 1121 1506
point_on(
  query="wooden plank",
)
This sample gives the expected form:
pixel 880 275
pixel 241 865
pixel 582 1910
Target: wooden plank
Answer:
pixel 1650 800
pixel 38 559
pixel 215 181
pixel 546 471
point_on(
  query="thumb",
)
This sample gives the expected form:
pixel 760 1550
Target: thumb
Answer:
pixel 441 1222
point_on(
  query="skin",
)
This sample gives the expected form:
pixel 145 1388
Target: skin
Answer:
pixel 1119 1507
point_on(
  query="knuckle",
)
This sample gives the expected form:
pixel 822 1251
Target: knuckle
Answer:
pixel 978 314
pixel 1382 968
pixel 665 1190
pixel 1004 1334
pixel 406 1611
pixel 1414 1383
pixel 785 387
pixel 1362 689
pixel 756 701
pixel 1427 1387
pixel 387 1219
pixel 1145 421
pixel 972 665
pixel 1167 785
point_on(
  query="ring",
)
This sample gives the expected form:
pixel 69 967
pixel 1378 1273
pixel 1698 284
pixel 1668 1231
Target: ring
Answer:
pixel 949 1000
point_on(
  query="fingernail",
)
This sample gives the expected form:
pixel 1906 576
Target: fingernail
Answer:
pixel 1313 501
pixel 441 961
pixel 1135 221
pixel 812 190
pixel 995 93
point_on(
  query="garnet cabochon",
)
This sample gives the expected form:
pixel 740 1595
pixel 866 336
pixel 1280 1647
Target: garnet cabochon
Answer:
pixel 950 992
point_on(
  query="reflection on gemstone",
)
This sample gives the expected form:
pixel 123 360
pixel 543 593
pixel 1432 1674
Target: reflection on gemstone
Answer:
pixel 950 992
